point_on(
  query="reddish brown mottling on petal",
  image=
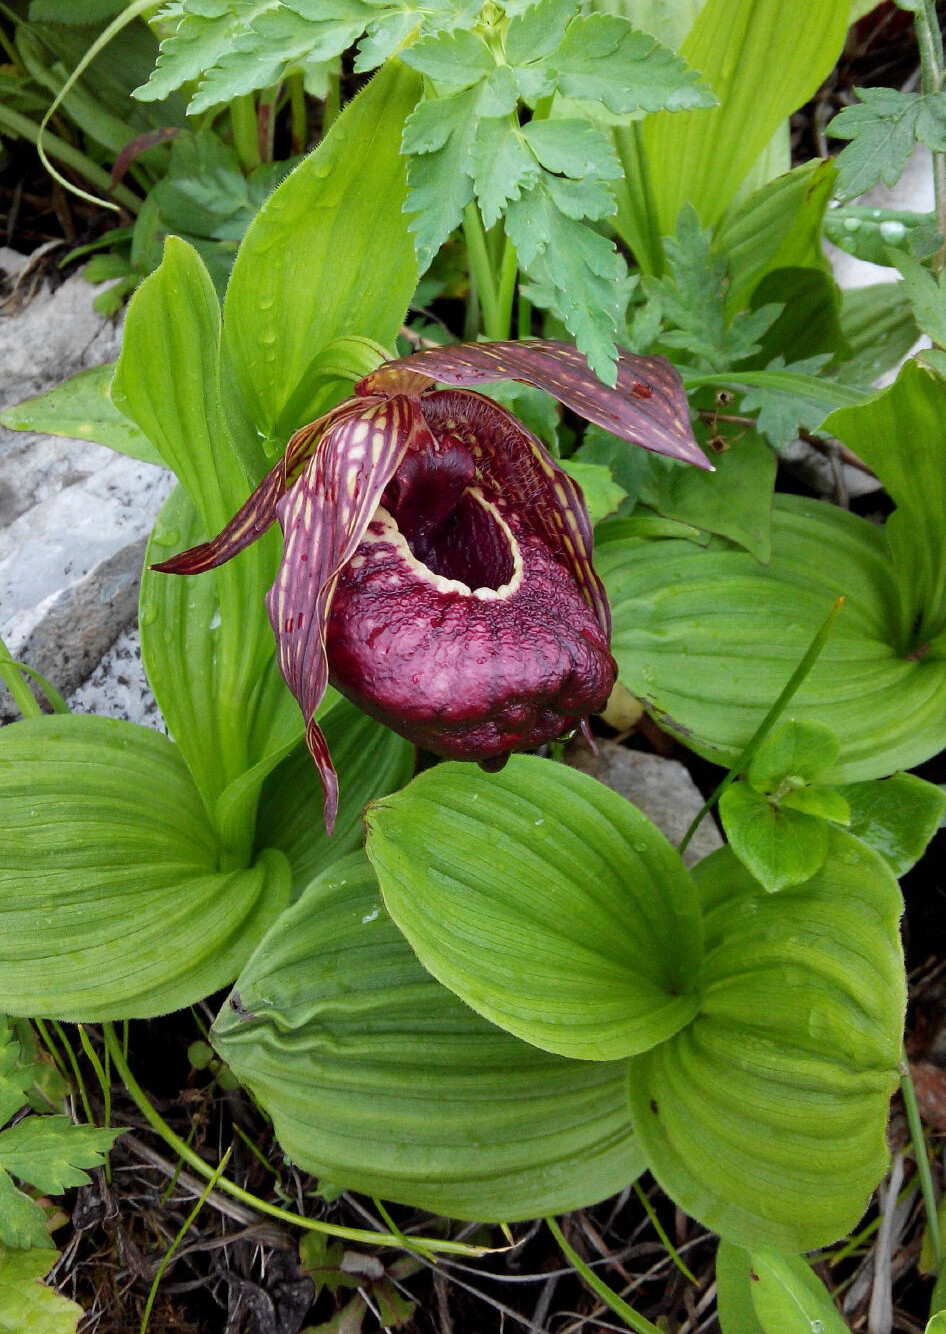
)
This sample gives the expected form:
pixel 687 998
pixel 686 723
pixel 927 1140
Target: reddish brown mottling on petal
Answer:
pixel 250 522
pixel 324 517
pixel 517 466
pixel 394 377
pixel 647 406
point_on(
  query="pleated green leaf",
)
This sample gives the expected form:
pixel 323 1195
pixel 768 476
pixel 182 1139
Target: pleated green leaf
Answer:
pixel 378 1079
pixel 545 901
pixel 209 654
pixel 112 903
pixel 328 254
pixel 81 408
pixel 371 761
pixel 901 435
pixel 702 157
pixel 765 1118
pixel 708 638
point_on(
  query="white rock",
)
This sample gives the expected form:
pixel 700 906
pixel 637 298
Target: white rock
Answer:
pixel 118 688
pixel 661 788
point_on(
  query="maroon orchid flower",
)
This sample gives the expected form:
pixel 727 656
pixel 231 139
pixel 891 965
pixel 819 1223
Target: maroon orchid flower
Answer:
pixel 437 561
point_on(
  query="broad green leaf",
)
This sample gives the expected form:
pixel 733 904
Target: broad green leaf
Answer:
pixel 900 434
pixel 27 1306
pixel 544 900
pixel 765 1117
pixel 879 235
pixel 703 156
pixel 778 226
pixel 809 322
pixel 207 647
pixel 883 128
pixel 734 1308
pixel 114 903
pixel 52 1152
pixel 166 381
pixel 789 1298
pixel 798 750
pixel 776 845
pixel 379 1080
pixel 938 1324
pixel 22 1223
pixel 709 638
pixel 817 799
pixel 601 492
pixel 81 409
pixel 328 254
pixel 768 1292
pixel 896 817
pixel 735 501
pixel 371 761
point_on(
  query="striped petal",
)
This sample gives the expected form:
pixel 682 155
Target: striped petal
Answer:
pixel 324 517
pixel 647 406
pixel 258 513
pixel 514 464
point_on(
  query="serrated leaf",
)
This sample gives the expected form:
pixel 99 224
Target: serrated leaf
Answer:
pixel 378 1079
pixel 502 167
pixel 883 129
pixel 113 906
pixel 27 1306
pixel 582 267
pixel 22 1224
pixel 926 295
pixel 195 46
pixel 573 147
pixel 602 494
pixel 52 1152
pixel 709 639
pixel 765 1118
pixel 896 817
pixel 439 135
pixel 603 59
pixel 545 901
pixel 534 32
pixel 778 846
pixel 798 749
pixel 15 1078
pixel 455 59
pixel 783 407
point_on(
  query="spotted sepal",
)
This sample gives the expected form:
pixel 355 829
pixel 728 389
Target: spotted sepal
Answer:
pixel 324 516
pixel 647 406
pixel 511 462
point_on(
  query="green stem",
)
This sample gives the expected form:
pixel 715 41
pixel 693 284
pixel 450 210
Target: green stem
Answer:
pixel 266 122
pixel 298 119
pixel 245 128
pixel 71 157
pixel 332 106
pixel 769 721
pixel 508 273
pixel 481 269
pixel 523 317
pixel 194 1161
pixel 80 1082
pixel 922 1160
pixel 185 1227
pixel 15 682
pixel 933 76
pixel 668 1245
pixel 640 1324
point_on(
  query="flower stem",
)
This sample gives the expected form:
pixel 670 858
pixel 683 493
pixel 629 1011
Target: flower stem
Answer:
pixel 922 1160
pixel 332 106
pixel 508 273
pixel 245 128
pixel 932 78
pixel 768 722
pixel 194 1160
pixel 640 1324
pixel 70 156
pixel 298 119
pixel 266 122
pixel 481 269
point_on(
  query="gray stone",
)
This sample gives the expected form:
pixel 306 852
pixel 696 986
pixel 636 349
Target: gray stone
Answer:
pixel 118 688
pixel 661 788
pixel 74 516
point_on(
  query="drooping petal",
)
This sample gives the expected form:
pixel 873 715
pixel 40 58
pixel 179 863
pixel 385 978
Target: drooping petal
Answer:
pixel 258 513
pixel 324 517
pixel 647 406
pixel 517 466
